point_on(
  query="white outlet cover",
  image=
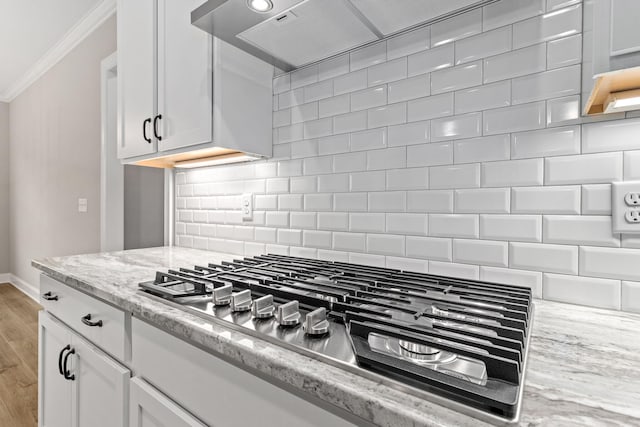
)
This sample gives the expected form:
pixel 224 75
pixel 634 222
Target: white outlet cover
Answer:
pixel 247 207
pixel 82 205
pixel 621 210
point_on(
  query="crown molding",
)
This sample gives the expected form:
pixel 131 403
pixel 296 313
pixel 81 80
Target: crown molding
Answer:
pixel 92 20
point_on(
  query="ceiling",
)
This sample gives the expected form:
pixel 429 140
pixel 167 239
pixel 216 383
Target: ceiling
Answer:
pixel 29 28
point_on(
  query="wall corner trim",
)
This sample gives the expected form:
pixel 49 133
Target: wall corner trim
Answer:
pixel 26 288
pixel 92 20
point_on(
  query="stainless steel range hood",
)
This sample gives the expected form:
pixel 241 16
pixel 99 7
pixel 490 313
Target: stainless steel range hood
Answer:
pixel 295 33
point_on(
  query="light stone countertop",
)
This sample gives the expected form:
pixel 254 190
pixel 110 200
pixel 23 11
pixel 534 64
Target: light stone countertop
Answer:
pixel 584 363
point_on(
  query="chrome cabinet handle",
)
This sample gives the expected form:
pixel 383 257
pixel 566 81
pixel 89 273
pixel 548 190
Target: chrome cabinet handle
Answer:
pixel 87 321
pixel 49 296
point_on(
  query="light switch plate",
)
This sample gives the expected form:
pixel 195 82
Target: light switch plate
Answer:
pixel 82 205
pixel 625 211
pixel 247 206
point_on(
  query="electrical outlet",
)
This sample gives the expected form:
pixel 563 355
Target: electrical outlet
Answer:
pixel 625 207
pixel 632 199
pixel 247 207
pixel 82 206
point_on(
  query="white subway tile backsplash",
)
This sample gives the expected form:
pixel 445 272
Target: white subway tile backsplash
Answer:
pixel 596 199
pixel 385 244
pixel 483 45
pixel 369 55
pixel 408 179
pixel 603 293
pixel 431 248
pixel 430 201
pixel 519 228
pixel 462 226
pixel 483 97
pixel 408 43
pixel 579 230
pixel 388 201
pixel 584 169
pixel 548 84
pixel 367 222
pixel 614 263
pixel 515 118
pixel 546 142
pixel 406 223
pixel 565 51
pixel 387 72
pixel 445 149
pixel 632 166
pixel 481 252
pixel 515 63
pixel 463 271
pixel 458 27
pixel 507 276
pixel 542 257
pixel 430 154
pixel 560 23
pixel 431 60
pixel 411 88
pixel 483 149
pixel 546 200
pixel 455 176
pixel 507 12
pixel 512 173
pixel 387 115
pixel 483 200
pixel 430 107
pixel 460 77
pixel 615 135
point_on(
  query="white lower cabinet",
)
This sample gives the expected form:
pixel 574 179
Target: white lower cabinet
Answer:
pixel 79 385
pixel 150 408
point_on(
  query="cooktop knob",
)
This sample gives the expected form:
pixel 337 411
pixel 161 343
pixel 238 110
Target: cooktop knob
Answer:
pixel 241 301
pixel 316 322
pixel 263 308
pixel 288 314
pixel 222 295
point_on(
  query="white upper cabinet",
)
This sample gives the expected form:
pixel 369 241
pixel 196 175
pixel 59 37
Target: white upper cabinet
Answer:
pixel 182 94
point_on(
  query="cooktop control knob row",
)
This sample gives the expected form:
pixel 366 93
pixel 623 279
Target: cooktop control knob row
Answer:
pixel 316 323
pixel 241 301
pixel 288 314
pixel 263 308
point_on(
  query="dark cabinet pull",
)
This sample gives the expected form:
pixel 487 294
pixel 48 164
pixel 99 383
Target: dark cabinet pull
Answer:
pixel 155 127
pixel 144 130
pixel 49 296
pixel 68 375
pixel 87 321
pixel 60 358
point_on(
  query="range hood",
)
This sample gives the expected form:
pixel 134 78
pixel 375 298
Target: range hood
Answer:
pixel 296 33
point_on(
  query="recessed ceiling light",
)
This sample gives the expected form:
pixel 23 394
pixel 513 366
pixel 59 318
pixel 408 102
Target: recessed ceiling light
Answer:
pixel 260 5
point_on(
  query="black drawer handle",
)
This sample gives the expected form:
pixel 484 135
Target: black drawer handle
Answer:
pixel 68 347
pixel 155 127
pixel 49 296
pixel 144 130
pixel 68 375
pixel 87 321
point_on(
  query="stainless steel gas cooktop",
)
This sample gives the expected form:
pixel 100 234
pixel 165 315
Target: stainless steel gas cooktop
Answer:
pixel 465 341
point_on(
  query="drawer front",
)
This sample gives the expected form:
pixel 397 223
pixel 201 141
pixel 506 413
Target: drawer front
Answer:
pixel 80 311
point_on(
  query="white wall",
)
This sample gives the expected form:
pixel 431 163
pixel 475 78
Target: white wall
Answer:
pixel 456 150
pixel 143 207
pixel 4 188
pixel 55 158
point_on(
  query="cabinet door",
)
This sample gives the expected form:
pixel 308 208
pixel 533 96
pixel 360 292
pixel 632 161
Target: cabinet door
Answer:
pixel 136 77
pixel 54 392
pixel 185 77
pixel 100 387
pixel 149 408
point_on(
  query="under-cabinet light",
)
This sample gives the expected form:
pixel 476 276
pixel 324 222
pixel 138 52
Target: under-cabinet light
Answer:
pixel 622 101
pixel 215 161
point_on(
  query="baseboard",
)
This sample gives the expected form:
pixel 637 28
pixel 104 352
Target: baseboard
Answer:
pixel 26 288
pixel 5 278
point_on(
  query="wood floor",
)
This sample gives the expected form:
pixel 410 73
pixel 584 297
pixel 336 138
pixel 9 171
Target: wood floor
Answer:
pixel 18 358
